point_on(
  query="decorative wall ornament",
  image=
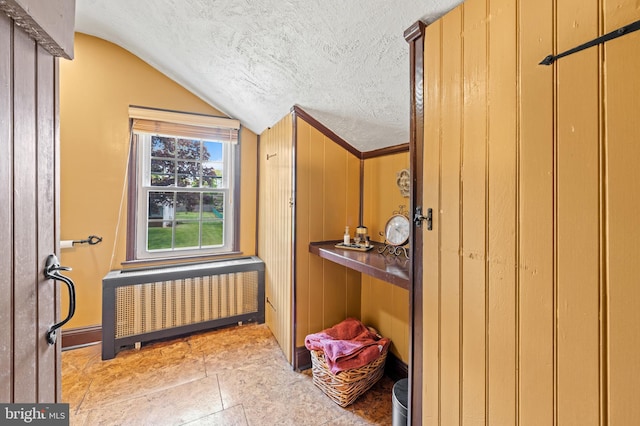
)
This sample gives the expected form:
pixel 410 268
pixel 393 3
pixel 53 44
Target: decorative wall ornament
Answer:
pixel 403 180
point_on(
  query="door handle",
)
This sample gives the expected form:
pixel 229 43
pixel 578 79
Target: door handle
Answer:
pixel 52 272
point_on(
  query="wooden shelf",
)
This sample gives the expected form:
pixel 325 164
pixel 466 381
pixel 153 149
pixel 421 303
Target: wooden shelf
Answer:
pixel 389 268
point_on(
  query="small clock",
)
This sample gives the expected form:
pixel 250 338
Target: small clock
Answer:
pixel 397 230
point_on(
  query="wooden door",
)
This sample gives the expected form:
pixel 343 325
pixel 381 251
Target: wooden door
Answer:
pixel 530 273
pixel 29 303
pixel 275 239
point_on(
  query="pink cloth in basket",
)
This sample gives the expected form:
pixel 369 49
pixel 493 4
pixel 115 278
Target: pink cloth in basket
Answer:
pixel 347 345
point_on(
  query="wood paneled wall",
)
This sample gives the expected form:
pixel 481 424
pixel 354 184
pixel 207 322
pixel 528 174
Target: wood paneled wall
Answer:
pixel 327 200
pixel 275 230
pixel 530 292
pixel 385 306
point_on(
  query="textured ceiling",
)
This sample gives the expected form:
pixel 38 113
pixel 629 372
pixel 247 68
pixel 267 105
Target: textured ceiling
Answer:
pixel 344 62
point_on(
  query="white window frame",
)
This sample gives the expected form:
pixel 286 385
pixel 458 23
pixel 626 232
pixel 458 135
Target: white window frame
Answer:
pixel 143 188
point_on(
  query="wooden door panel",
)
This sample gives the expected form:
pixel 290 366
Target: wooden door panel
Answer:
pixel 275 237
pixel 622 292
pixel 29 366
pixel 577 217
pixel 49 361
pixel 430 403
pixel 25 291
pixel 6 209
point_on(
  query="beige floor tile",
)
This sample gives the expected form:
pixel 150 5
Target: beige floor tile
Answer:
pixel 175 406
pixel 232 416
pixel 233 376
pixel 300 403
pixel 77 419
pixel 146 371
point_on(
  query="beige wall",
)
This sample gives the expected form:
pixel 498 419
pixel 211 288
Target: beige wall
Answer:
pixel 96 89
pixel 530 288
pixel 383 305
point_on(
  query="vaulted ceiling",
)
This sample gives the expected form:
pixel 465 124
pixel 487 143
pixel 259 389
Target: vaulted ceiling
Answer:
pixel 345 62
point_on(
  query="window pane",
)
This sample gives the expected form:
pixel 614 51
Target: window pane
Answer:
pixel 188 206
pixel 189 149
pixel 160 221
pixel 187 220
pixel 213 218
pixel 209 177
pixel 187 234
pixel 159 235
pixel 211 151
pixel 162 146
pixel 161 205
pixel 188 174
pixel 212 205
pixel 212 165
pixel 162 172
pixel 212 233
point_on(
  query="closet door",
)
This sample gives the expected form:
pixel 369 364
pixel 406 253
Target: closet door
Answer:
pixel 275 222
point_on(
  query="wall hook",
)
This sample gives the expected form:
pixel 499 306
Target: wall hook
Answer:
pixel 92 240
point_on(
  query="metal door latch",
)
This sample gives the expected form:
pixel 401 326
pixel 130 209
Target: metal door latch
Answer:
pixel 418 218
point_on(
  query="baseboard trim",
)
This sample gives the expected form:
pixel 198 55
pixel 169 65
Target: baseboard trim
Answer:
pixel 394 368
pixel 302 359
pixel 81 336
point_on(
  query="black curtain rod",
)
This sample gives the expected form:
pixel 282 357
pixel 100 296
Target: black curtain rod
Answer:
pixel 627 29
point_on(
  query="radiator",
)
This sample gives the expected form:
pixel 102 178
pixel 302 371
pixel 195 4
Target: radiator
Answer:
pixel 143 305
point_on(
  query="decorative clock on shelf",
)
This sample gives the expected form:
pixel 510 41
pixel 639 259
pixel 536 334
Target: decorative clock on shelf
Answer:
pixel 396 234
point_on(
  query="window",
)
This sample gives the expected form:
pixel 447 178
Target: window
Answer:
pixel 184 187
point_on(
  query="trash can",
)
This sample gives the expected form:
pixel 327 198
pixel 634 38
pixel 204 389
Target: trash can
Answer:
pixel 400 400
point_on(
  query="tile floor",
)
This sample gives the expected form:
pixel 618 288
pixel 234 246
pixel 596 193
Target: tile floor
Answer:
pixel 233 376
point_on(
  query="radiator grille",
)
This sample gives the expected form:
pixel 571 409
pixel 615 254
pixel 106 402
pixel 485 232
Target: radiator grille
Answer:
pixel 156 303
pixel 143 308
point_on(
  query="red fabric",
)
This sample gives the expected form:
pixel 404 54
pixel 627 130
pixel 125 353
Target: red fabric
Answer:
pixel 347 345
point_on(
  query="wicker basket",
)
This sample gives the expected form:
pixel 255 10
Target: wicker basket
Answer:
pixel 346 386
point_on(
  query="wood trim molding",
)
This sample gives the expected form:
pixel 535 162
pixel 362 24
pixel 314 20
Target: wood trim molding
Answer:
pixel 302 358
pixel 385 151
pixel 415 36
pixel 299 112
pixel 294 242
pixel 255 248
pixel 394 368
pixel 81 336
pixel 414 32
pixel 132 194
pixel 237 183
pixel 50 24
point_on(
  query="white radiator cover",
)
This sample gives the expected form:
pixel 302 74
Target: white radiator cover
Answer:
pixel 140 306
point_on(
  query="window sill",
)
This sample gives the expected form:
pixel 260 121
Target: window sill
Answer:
pixel 172 261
